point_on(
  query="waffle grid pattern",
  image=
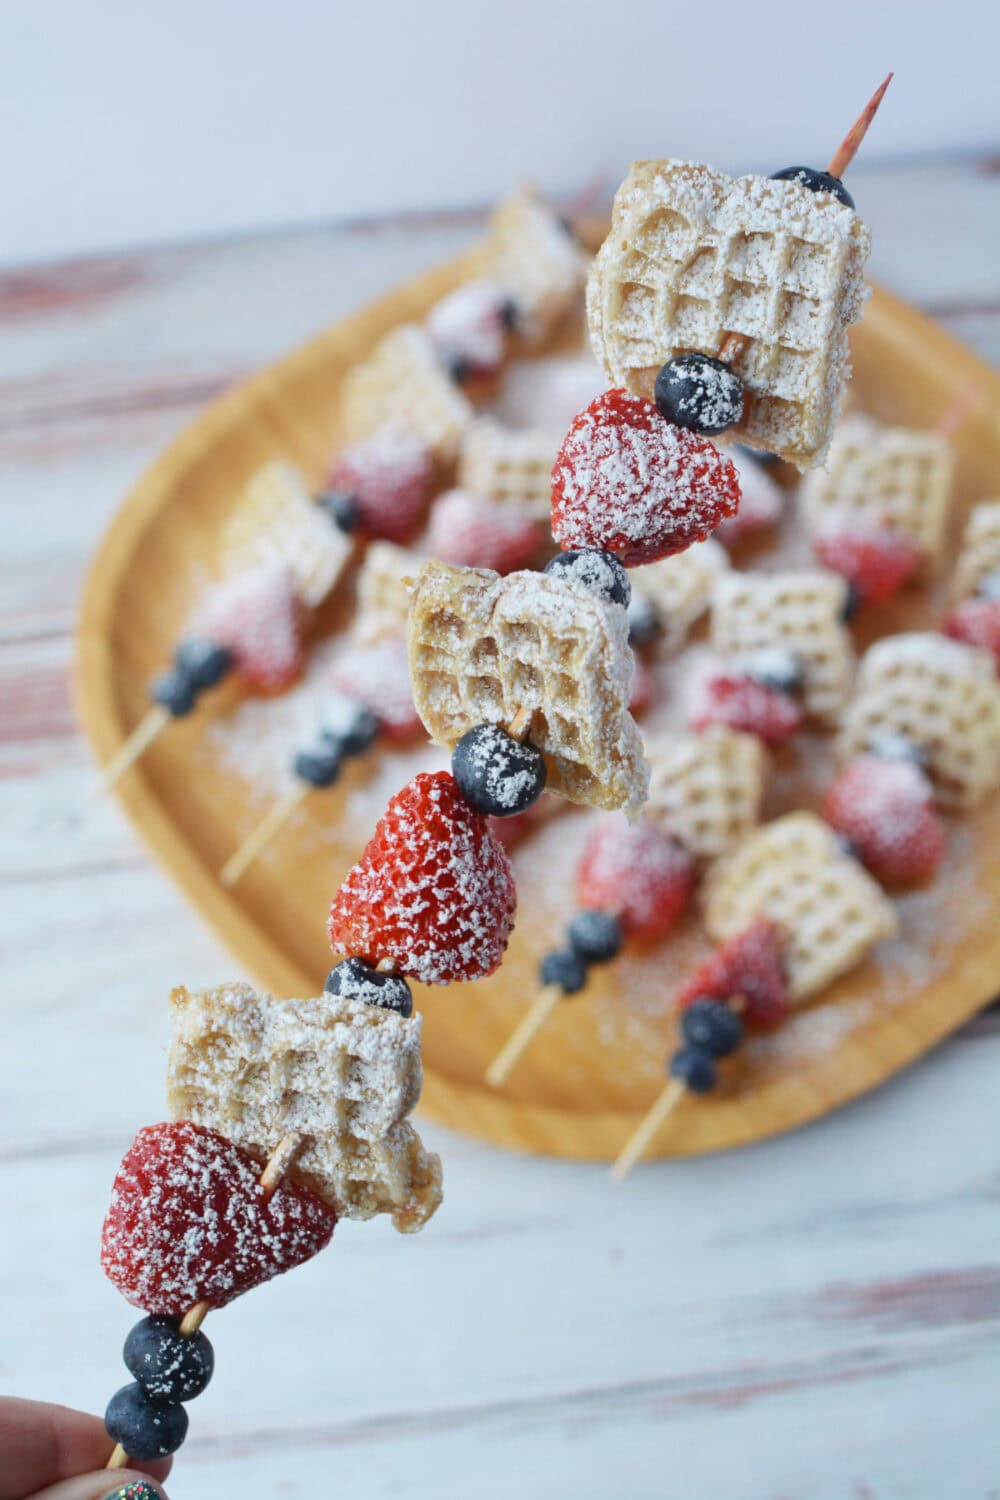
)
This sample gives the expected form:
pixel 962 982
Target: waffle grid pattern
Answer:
pixel 277 521
pixel 980 552
pixel 705 789
pixel 510 466
pixel 403 384
pixel 532 255
pixel 680 588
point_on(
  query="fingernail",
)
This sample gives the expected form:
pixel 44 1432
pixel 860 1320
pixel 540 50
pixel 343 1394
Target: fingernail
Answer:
pixel 139 1489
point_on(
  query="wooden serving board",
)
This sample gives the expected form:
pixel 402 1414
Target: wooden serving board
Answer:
pixel 589 1076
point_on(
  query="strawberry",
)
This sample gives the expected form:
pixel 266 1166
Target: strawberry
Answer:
pixel 628 482
pixel 470 326
pixel 188 1222
pixel 378 676
pixel 748 965
pixel 472 532
pixel 258 617
pixel 743 703
pixel 873 559
pixel 644 875
pixel 388 479
pixel 886 809
pixel 433 890
pixel 977 623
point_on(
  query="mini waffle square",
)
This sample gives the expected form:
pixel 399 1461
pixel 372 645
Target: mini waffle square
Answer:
pixel 680 588
pixel 705 789
pixel 403 384
pixel 483 648
pixel 383 596
pixel 980 551
pixel 800 612
pixel 277 521
pixel 940 694
pixel 533 255
pixel 343 1074
pixel 885 476
pixel 509 465
pixel 792 871
pixel 694 255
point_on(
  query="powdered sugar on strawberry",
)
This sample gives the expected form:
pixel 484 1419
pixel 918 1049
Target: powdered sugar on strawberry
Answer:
pixel 389 477
pixel 257 616
pixel 744 704
pixel 977 623
pixel 471 532
pixel 749 967
pixel 644 875
pixel 469 323
pixel 885 807
pixel 378 676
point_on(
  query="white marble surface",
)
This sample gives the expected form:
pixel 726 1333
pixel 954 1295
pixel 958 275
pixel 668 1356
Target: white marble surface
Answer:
pixel 816 1318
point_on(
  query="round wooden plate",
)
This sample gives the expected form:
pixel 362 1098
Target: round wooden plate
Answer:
pixel 584 1084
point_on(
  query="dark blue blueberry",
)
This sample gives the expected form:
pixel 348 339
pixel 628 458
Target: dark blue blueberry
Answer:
pixel 599 572
pixel 568 228
pixel 890 744
pixel 202 662
pixel 508 315
pixel 353 979
pixel 564 968
pixel 496 774
pixel 989 586
pixel 355 732
pixel 816 181
pixel 458 367
pixel 145 1428
pixel 700 393
pixel 847 846
pixel 596 936
pixel 766 460
pixel 695 1067
pixel 170 1366
pixel 778 669
pixel 852 603
pixel 712 1026
pixel 318 768
pixel 342 508
pixel 644 623
pixel 175 692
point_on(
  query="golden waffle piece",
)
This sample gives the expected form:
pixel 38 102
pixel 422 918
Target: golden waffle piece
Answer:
pixel 484 649
pixel 895 477
pixel 383 597
pixel 680 588
pixel 530 252
pixel 343 1074
pixel 980 551
pixel 801 612
pixel 277 521
pixel 403 385
pixel 694 255
pixel 705 789
pixel 509 465
pixel 829 910
pixel 944 697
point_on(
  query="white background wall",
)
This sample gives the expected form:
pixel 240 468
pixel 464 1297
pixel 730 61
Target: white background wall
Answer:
pixel 133 121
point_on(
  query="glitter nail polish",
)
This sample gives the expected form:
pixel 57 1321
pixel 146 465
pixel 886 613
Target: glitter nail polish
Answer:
pixel 137 1490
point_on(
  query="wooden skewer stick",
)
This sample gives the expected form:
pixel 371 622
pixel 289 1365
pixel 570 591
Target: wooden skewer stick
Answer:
pixel 275 1168
pixel 670 1096
pixel 735 344
pixel 266 830
pixel 138 742
pixel 531 1023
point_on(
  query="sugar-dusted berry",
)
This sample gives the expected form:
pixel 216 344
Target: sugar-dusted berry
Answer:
pixel 977 623
pixel 471 532
pixel 885 807
pixel 744 704
pixel 257 617
pixel 749 966
pixel 388 478
pixel 874 560
pixel 378 678
pixel 643 875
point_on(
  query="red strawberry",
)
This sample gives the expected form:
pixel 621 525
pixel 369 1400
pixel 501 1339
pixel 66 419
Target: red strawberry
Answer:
pixel 511 831
pixel 644 688
pixel 634 869
pixel 745 704
pixel 258 617
pixel 389 478
pixel 748 965
pixel 977 623
pixel 470 325
pixel 886 809
pixel 188 1222
pixel 626 480
pixel 379 677
pixel 874 560
pixel 433 890
pixel 474 533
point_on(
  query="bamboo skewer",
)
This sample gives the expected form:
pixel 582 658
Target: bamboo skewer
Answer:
pixel 153 722
pixel 663 1106
pixel 266 830
pixel 530 1023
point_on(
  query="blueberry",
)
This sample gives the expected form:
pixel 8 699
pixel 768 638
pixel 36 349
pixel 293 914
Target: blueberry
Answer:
pixel 852 603
pixel 342 508
pixel 496 774
pixel 847 846
pixel 202 662
pixel 765 460
pixel 355 730
pixel 988 587
pixel 508 315
pixel 318 768
pixel 568 228
pixel 711 1026
pixel 175 692
pixel 890 744
pixel 144 1427
pixel 565 968
pixel 699 392
pixel 458 367
pixel 600 572
pixel 644 623
pixel 170 1366
pixel 778 669
pixel 353 979
pixel 816 181
pixel 596 936
pixel 695 1067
